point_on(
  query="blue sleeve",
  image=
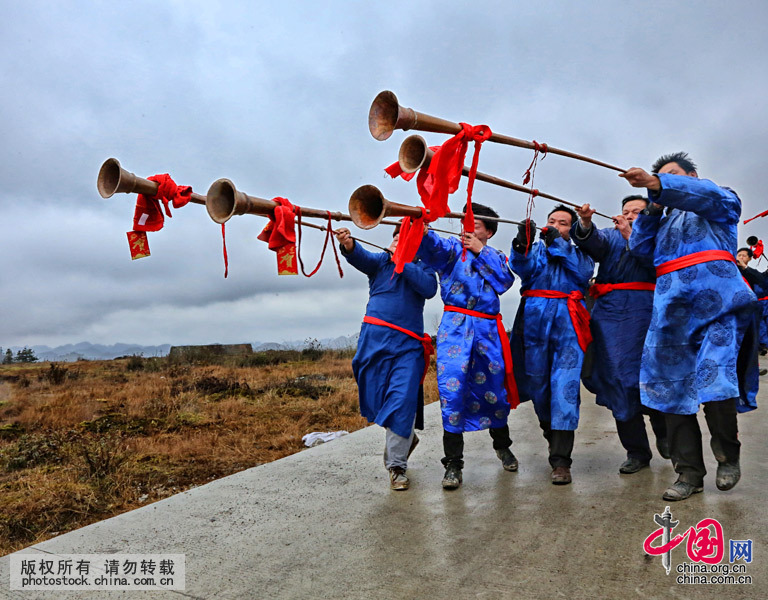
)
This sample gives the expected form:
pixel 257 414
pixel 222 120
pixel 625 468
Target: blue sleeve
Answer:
pixel 700 196
pixel 573 261
pixel 438 253
pixel 528 266
pixel 642 242
pixel 492 266
pixel 364 261
pixel 594 242
pixel 421 278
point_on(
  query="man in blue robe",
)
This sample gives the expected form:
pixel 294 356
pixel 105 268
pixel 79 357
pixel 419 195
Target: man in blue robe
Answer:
pixel 620 317
pixel 471 369
pixel 759 283
pixel 699 348
pixel 390 360
pixel 551 330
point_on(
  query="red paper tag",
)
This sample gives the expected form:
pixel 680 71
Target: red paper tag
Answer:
pixel 138 244
pixel 286 260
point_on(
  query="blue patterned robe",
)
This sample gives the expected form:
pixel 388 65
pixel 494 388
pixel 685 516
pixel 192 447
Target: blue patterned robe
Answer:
pixel 546 353
pixel 388 364
pixel 470 364
pixel 619 321
pixel 700 313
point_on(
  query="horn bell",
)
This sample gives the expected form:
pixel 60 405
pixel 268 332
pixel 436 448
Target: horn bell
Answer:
pixel 414 154
pixel 368 207
pixel 222 200
pixel 752 240
pixel 386 115
pixel 113 179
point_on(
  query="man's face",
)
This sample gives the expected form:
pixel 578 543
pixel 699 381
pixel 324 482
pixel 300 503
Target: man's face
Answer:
pixel 742 258
pixel 393 245
pixel 561 221
pixel 482 232
pixel 633 208
pixel 673 168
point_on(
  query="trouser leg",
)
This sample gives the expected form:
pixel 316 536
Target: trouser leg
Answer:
pixel 500 437
pixel 453 447
pixel 634 438
pixel 684 437
pixel 722 421
pixel 658 422
pixel 397 447
pixel 560 445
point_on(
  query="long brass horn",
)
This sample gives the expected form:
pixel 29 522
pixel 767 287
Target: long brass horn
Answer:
pixel 386 115
pixel 226 201
pixel 114 179
pixel 415 154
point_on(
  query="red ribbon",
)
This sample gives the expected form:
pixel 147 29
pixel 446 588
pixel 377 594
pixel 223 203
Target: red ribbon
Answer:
pixel 757 249
pixel 601 289
pixel 279 231
pixel 513 398
pixel 579 313
pixel 426 340
pixel 411 232
pixel 148 216
pixel 693 259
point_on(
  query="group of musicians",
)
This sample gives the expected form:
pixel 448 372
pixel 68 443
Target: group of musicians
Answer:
pixel 674 326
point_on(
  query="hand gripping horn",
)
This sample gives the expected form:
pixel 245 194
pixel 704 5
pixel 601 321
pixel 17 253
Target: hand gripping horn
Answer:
pixel 386 115
pixel 113 179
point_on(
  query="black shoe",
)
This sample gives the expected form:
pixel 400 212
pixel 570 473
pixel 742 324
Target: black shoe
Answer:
pixel 632 465
pixel 561 475
pixel 662 445
pixel 508 460
pixel 762 372
pixel 728 476
pixel 452 478
pixel 681 490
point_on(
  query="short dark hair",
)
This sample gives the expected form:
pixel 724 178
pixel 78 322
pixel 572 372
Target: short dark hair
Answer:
pixel 480 211
pixel 397 229
pixel 747 250
pixel 633 197
pixel 681 158
pixel 564 208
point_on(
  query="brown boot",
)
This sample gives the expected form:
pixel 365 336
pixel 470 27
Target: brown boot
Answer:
pixel 561 475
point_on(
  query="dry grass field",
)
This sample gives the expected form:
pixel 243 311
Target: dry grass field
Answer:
pixel 81 442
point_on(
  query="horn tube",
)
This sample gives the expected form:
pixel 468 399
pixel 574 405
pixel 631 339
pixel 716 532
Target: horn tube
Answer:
pixel 414 154
pixel 386 114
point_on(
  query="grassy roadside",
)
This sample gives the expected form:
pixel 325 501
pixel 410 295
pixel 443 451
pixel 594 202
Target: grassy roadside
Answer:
pixel 81 442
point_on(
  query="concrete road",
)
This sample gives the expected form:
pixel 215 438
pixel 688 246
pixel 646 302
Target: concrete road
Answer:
pixel 324 524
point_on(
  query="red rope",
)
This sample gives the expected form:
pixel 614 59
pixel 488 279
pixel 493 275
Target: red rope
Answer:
pixel 224 244
pixel 328 234
pixel 529 175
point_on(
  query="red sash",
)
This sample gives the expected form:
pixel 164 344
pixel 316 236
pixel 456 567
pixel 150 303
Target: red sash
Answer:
pixel 426 340
pixel 761 299
pixel 579 314
pixel 601 289
pixel 693 259
pixel 513 398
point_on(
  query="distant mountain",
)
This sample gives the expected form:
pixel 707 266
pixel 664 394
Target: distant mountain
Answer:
pixel 88 351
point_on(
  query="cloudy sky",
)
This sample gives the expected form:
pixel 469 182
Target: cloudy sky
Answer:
pixel 275 97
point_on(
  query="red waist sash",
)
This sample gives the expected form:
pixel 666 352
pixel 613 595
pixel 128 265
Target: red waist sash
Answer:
pixel 693 259
pixel 513 398
pixel 426 340
pixel 601 289
pixel 579 314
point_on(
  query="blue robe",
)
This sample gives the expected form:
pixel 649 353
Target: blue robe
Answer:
pixel 388 364
pixel 619 321
pixel 545 350
pixel 470 363
pixel 700 313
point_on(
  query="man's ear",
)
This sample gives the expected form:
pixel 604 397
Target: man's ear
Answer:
pixel 490 234
pixel 694 174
